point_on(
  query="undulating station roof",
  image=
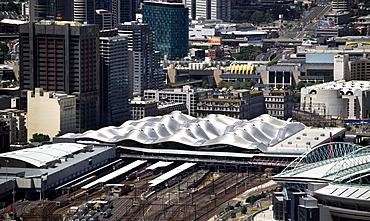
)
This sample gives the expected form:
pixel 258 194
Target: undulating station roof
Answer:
pixel 264 133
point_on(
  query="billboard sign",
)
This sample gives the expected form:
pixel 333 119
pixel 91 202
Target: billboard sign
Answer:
pixel 323 24
pixel 214 41
pixel 331 21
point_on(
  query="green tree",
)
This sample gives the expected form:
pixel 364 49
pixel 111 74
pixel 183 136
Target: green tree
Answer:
pixel 205 84
pixel 296 98
pixel 257 17
pixel 236 15
pixel 353 31
pixel 222 84
pixel 348 128
pixel 300 85
pixel 266 46
pixel 269 17
pixel 246 15
pixel 272 63
pixel 236 84
pixel 243 210
pixel 4 49
pixel 39 138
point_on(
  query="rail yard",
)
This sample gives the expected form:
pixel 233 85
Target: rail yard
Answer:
pixel 194 192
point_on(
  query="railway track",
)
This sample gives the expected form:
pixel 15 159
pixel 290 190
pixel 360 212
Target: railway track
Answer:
pixel 172 203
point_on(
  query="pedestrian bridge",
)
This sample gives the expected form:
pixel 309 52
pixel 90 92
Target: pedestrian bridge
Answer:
pixel 331 162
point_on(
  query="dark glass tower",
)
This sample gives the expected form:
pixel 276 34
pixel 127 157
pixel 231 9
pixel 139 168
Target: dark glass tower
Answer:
pixel 114 78
pixel 122 10
pixel 47 9
pixel 170 24
pixel 144 69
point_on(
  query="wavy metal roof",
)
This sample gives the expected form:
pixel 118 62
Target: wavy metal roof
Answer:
pixel 258 133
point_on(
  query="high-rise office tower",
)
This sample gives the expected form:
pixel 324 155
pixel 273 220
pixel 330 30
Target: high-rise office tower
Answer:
pixel 209 9
pixel 48 9
pixel 144 67
pixel 114 91
pixel 122 10
pixel 340 5
pixel 170 24
pixel 63 57
pixel 103 18
pixel 127 10
pixel 84 11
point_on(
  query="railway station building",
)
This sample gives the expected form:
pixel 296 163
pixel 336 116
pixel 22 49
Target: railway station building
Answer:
pixel 52 169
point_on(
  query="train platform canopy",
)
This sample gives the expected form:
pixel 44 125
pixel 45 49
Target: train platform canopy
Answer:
pixel 170 174
pixel 115 173
pixel 159 164
pixel 43 156
pixel 50 166
pixel 264 133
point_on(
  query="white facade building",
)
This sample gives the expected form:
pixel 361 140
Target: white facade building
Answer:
pixel 201 31
pixel 50 113
pixel 341 70
pixel 209 9
pixel 338 99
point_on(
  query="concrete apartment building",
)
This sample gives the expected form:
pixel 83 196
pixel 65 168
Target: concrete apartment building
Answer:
pixel 351 69
pixel 15 120
pixel 278 103
pixel 4 137
pixel 240 104
pixel 50 113
pixel 188 95
pixel 141 108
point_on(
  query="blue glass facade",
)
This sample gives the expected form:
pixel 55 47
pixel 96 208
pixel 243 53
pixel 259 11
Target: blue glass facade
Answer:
pixel 170 24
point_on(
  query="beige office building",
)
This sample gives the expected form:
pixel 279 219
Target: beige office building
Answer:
pixel 50 113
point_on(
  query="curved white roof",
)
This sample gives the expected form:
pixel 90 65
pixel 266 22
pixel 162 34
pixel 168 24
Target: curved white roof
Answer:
pixel 40 156
pixel 260 132
pixel 344 86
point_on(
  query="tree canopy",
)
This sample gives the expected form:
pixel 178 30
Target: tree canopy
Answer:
pixel 39 138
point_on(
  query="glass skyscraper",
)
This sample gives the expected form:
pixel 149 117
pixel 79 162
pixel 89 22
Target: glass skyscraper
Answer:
pixel 169 22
